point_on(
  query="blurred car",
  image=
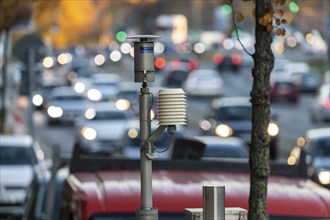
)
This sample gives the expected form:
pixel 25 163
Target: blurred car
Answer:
pixel 232 116
pixel 41 97
pixel 284 89
pixel 230 147
pixel 175 78
pixel 104 85
pixel 320 108
pixel 227 61
pixel 204 83
pixel 65 105
pixel 129 91
pixel 187 64
pixel 20 159
pixel 317 149
pixel 102 127
pixel 38 196
pixel 307 81
pixel 162 144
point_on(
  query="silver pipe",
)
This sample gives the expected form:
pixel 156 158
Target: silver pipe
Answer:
pixel 213 202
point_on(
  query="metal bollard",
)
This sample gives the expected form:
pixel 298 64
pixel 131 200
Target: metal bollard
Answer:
pixel 213 203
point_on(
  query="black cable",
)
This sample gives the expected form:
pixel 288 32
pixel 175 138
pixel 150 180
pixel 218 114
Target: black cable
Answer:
pixel 168 147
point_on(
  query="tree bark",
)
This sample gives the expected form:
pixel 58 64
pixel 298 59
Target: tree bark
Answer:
pixel 260 98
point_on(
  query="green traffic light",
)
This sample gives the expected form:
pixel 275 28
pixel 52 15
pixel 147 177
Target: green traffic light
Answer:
pixel 226 9
pixel 294 7
pixel 121 36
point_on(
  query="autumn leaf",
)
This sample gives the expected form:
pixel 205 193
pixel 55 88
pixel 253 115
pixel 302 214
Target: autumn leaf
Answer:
pixel 268 17
pixel 239 17
pixel 278 32
pixel 280 12
pixel 278 21
pixel 270 28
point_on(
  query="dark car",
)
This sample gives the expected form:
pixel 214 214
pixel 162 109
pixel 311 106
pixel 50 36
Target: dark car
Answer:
pixel 230 147
pixel 231 116
pixel 227 62
pixel 316 146
pixel 284 89
pixel 175 78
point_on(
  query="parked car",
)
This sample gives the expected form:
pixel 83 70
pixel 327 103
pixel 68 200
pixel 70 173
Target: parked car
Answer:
pixel 229 147
pixel 320 107
pixel 99 188
pixel 204 83
pixel 316 147
pixel 21 158
pixel 102 127
pixel 231 116
pixel 65 105
pixel 284 89
pixel 307 81
pixel 38 197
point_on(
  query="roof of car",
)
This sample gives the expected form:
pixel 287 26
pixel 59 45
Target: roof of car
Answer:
pixel 318 133
pixel 219 140
pixel 16 140
pixel 231 101
pixel 173 191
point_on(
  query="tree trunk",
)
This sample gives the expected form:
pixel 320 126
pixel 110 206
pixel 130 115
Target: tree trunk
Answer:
pixel 260 98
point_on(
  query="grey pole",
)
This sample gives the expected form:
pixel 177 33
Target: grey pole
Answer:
pixel 146 212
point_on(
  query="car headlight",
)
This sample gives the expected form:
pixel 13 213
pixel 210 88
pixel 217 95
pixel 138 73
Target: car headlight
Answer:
pixel 94 95
pixel 123 104
pixel 223 130
pixel 324 177
pixel 37 100
pixel 54 111
pixel 132 133
pixel 205 124
pixel 88 133
pixel 273 129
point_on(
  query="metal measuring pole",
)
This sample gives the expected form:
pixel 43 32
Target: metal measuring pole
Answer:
pixel 144 72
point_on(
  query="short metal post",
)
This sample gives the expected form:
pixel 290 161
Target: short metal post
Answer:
pixel 214 203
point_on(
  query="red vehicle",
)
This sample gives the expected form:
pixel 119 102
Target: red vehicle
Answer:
pixel 91 193
pixel 285 90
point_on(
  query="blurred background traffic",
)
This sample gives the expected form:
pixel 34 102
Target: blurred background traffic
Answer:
pixel 67 75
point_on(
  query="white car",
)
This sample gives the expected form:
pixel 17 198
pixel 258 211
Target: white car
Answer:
pixel 204 82
pixel 65 105
pixel 20 158
pixel 102 128
pixel 320 108
pixel 104 87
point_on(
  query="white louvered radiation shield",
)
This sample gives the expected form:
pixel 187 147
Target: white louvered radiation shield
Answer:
pixel 171 104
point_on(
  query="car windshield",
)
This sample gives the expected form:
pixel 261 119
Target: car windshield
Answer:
pixel 323 148
pixel 234 113
pixel 68 98
pixel 106 115
pixel 17 156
